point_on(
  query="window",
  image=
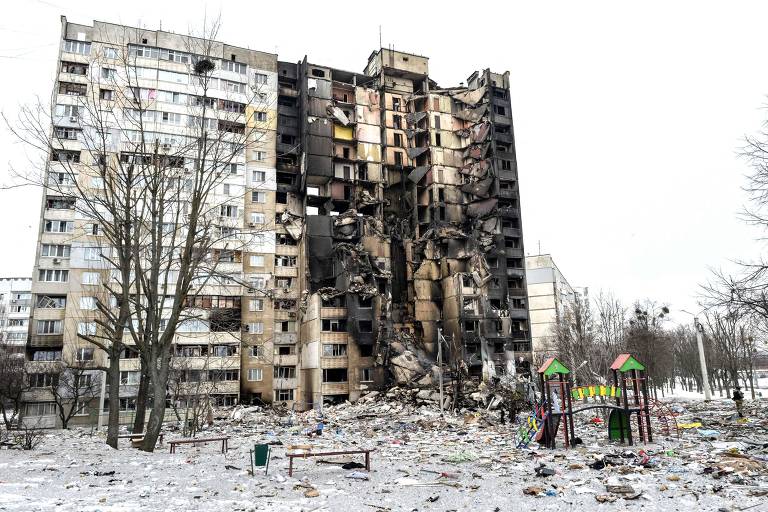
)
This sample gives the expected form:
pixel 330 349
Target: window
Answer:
pixel 438 140
pixel 172 118
pixel 285 350
pixel 228 210
pixel 334 375
pixel 90 278
pixel 258 218
pixel 110 53
pixel 398 158
pixel 256 328
pixel 285 326
pixel 74 68
pixel 257 351
pixel 366 374
pixel 230 65
pixel 55 251
pixel 395 103
pixel 255 374
pixel 500 110
pixel 59 226
pixel 106 94
pixel 130 378
pixel 108 73
pixel 259 155
pixel 193 325
pixel 40 409
pixel 506 165
pixel 283 282
pixel 127 404
pixel 334 350
pixel 72 89
pixel 260 78
pixel 59 203
pixel 51 301
pixel 256 305
pixel 91 253
pixel 257 260
pixel 284 372
pixel 68 111
pixel 46 355
pixel 285 261
pixel 258 197
pixel 398 140
pixel 339 325
pixel 259 176
pixel 437 123
pixel 365 325
pixel 80 47
pixel 83 381
pixel 49 327
pixel 258 282
pixel 88 303
pixel 86 328
pixel 53 276
pixel 66 133
pixel 281 395
pixel 43 380
pixel 260 116
pixel 223 375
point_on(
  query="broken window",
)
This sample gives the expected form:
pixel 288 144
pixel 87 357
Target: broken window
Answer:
pixel 398 158
pixel 500 110
pixel 438 140
pixel 334 350
pixel 365 325
pixel 285 261
pixel 335 302
pixel 285 372
pixel 397 121
pixel 318 73
pixel 365 302
pixel 470 325
pixel 366 350
pixel 437 123
pixel 106 94
pixel 334 375
pixel 518 303
pixel 506 165
pixel 281 197
pixel 72 89
pixel 285 326
pixel 339 325
pixel 283 239
pixel 285 350
pixel 366 374
pixel 282 395
pixel 396 103
pixel 398 140
pixel 514 263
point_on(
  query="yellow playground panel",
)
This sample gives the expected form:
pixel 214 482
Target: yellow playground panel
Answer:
pixel 592 391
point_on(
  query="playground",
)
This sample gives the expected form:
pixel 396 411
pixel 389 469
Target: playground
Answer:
pixel 625 408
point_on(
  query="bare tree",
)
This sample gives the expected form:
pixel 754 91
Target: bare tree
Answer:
pixel 647 339
pixel 13 384
pixel 575 338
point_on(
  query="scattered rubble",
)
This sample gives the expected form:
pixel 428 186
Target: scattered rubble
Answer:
pixel 462 461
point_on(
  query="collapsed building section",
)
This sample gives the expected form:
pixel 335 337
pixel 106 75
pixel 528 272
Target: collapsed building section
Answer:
pixel 412 229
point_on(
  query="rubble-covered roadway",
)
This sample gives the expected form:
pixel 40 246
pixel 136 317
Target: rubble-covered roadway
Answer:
pixel 467 461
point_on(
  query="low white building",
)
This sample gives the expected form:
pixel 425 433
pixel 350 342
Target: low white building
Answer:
pixel 15 305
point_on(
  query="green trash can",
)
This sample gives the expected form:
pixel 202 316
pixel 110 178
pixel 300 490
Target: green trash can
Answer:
pixel 617 421
pixel 260 457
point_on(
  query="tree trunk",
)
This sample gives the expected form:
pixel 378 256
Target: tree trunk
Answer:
pixel 113 422
pixel 159 379
pixel 141 398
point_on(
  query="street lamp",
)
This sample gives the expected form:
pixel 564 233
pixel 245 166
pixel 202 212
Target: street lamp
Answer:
pixel 702 359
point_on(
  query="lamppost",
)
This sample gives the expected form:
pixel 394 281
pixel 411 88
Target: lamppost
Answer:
pixel 702 358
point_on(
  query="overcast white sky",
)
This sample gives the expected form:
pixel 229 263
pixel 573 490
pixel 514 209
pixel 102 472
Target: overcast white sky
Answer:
pixel 627 116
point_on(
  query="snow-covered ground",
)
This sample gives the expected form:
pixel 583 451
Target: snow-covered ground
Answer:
pixel 466 462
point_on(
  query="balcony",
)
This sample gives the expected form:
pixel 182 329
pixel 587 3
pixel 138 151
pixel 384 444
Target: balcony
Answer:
pixel 286 250
pixel 507 193
pixel 334 337
pixel 513 252
pixel 514 232
pixel 333 312
pixel 286 338
pixel 286 360
pixel 515 272
pixel 507 175
pixel 286 271
pixel 46 340
pixel 335 388
pixel 334 362
pixel 280 383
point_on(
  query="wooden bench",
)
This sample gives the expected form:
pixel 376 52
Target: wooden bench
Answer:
pixel 138 437
pixel 176 442
pixel 304 455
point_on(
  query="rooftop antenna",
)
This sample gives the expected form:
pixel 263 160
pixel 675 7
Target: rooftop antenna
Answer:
pixel 379 36
pixel 539 247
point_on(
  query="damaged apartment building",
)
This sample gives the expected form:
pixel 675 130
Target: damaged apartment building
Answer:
pixel 388 212
pixel 412 223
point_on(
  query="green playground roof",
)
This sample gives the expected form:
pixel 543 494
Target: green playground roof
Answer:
pixel 552 366
pixel 626 362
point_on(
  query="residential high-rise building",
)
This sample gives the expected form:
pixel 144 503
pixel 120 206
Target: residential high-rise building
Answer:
pixel 387 210
pixel 549 294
